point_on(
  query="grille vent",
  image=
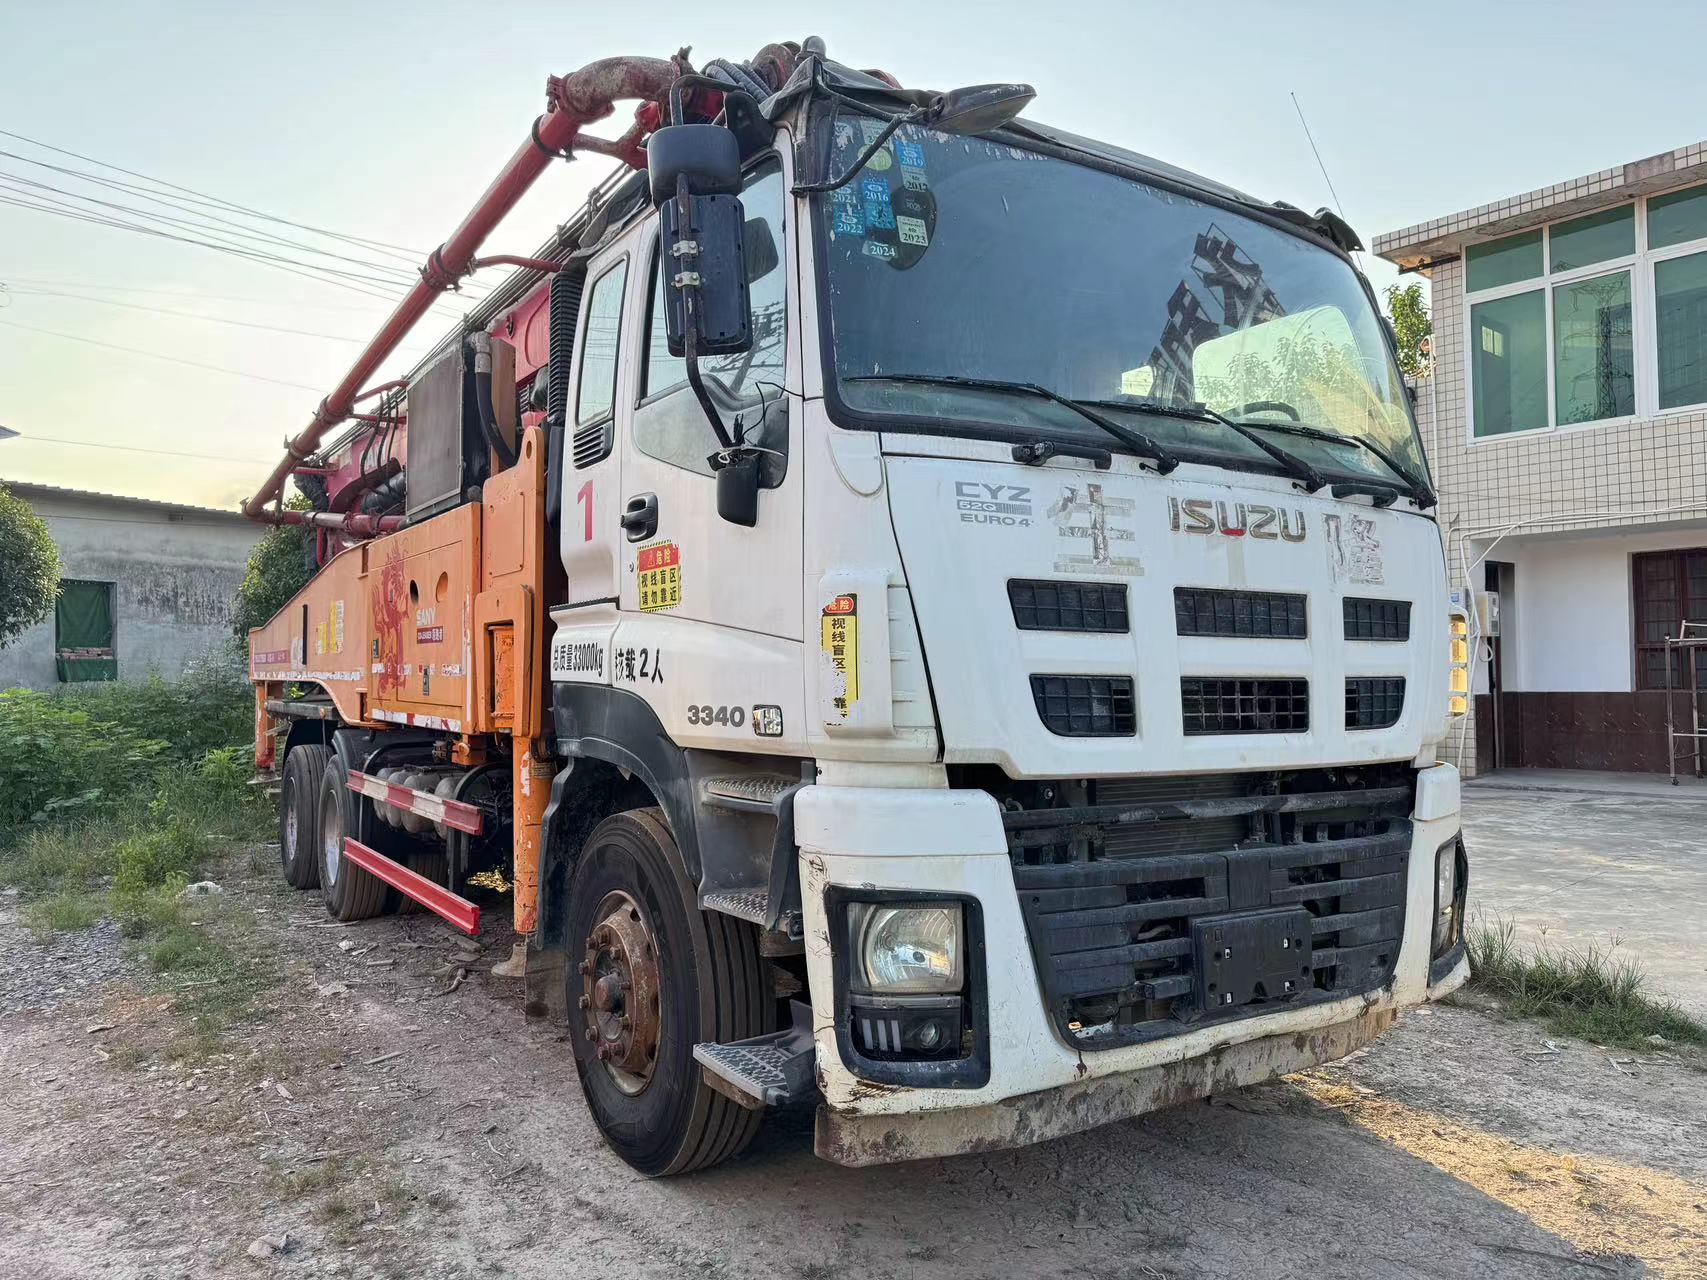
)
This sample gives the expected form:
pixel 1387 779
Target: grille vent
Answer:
pixel 593 444
pixel 1085 706
pixel 1374 702
pixel 1068 606
pixel 1377 619
pixel 1202 611
pixel 1241 704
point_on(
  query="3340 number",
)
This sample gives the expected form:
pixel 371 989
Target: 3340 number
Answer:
pixel 704 713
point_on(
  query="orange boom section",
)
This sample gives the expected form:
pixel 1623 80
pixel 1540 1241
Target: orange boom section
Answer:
pixel 440 626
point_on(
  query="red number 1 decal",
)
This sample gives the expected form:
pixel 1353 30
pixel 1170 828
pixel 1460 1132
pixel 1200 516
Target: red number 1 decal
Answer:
pixel 584 495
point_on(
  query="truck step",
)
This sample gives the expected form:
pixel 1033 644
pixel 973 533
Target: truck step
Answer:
pixel 770 1070
pixel 754 905
pixel 747 793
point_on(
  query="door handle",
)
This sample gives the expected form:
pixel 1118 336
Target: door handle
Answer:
pixel 640 516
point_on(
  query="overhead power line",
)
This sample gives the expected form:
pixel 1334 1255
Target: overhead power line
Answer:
pixel 156 355
pixel 414 254
pixel 6 291
pixel 32 438
pixel 6 278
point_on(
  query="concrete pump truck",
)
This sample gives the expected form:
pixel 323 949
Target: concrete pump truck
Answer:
pixel 928 615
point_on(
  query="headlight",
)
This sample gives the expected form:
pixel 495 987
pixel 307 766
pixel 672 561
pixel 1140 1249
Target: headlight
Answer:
pixel 906 949
pixel 1446 904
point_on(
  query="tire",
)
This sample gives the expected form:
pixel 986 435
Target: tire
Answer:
pixel 711 987
pixel 299 798
pixel 351 893
pixel 431 864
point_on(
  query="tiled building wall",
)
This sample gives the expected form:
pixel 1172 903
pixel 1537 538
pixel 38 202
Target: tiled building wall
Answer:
pixel 1640 476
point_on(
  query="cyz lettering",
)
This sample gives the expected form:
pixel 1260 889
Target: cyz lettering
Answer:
pixel 980 502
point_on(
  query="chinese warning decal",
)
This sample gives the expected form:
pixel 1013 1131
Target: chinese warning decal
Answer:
pixel 658 575
pixel 840 640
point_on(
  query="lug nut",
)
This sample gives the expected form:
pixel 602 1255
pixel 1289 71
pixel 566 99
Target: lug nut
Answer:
pixel 592 1033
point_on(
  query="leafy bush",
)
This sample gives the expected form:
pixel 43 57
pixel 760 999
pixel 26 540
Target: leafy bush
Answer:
pixel 59 761
pixel 166 856
pixel 211 705
pixel 279 566
pixel 30 583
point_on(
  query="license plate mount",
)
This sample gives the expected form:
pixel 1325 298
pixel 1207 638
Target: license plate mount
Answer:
pixel 1251 956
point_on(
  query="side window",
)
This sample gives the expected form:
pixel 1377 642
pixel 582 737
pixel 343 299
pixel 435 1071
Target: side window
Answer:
pixel 600 333
pixel 669 424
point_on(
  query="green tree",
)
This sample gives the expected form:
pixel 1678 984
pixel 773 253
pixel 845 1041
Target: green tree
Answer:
pixel 29 567
pixel 1410 317
pixel 279 567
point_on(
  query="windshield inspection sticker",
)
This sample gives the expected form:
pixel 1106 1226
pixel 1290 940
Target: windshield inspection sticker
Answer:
pixel 1089 518
pixel 879 213
pixel 909 153
pixel 872 129
pixel 912 230
pixel 1354 550
pixel 847 219
pixel 914 179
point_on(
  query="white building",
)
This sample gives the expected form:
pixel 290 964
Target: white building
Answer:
pixel 1566 423
pixel 145 587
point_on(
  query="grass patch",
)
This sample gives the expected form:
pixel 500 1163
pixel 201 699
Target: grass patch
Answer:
pixel 1589 992
pixel 63 912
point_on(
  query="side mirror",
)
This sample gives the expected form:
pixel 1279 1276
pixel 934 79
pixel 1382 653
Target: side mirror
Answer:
pixel 978 108
pixel 738 490
pixel 705 267
pixel 760 253
pixel 707 155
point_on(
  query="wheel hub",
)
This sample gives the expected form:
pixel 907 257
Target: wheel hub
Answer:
pixel 620 993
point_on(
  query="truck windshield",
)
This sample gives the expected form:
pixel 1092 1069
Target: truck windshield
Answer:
pixel 971 258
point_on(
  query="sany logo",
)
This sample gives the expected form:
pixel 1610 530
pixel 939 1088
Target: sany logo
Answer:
pixel 1235 519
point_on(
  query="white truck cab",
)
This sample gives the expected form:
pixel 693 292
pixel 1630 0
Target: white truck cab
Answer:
pixel 1055 737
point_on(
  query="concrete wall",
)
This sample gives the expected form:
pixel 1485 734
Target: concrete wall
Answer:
pixel 1570 628
pixel 176 572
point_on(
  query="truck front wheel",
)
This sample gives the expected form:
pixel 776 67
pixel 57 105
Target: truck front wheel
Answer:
pixel 649 976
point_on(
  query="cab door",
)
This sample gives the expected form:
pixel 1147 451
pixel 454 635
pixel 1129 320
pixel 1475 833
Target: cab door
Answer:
pixel 712 610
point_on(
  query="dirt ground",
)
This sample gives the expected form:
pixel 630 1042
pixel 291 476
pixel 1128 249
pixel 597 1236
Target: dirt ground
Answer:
pixel 379 1124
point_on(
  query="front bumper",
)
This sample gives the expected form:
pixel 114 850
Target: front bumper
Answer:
pixel 1038 1085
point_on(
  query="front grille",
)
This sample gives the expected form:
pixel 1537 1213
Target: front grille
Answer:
pixel 1377 619
pixel 1374 702
pixel 1085 706
pixel 1203 611
pixel 1068 606
pixel 1111 933
pixel 1240 704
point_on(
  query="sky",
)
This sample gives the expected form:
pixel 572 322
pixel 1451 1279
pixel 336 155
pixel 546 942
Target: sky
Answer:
pixel 386 120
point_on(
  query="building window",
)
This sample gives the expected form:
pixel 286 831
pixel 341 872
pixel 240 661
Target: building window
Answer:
pixel 1669 588
pixel 83 632
pixel 1564 330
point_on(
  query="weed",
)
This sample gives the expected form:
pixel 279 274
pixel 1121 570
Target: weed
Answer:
pixel 62 912
pixel 1589 992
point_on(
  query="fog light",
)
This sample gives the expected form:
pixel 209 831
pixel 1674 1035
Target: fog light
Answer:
pixel 1448 900
pixel 907 1028
pixel 905 949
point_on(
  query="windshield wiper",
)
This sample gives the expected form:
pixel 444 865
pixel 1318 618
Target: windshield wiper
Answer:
pixel 1306 474
pixel 1420 493
pixel 1136 441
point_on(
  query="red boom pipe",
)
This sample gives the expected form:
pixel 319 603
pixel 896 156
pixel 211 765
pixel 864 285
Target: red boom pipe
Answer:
pixel 575 100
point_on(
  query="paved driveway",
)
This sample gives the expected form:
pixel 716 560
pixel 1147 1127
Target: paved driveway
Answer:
pixel 1623 860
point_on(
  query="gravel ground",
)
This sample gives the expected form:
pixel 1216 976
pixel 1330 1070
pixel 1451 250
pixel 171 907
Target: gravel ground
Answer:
pixel 379 1124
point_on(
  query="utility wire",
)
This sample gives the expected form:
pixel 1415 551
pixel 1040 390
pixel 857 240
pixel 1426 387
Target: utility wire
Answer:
pixel 34 282
pixel 155 355
pixel 221 240
pixel 168 311
pixel 323 275
pixel 415 255
pixel 31 438
pixel 207 223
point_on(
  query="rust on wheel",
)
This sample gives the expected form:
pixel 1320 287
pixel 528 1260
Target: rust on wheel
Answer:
pixel 620 993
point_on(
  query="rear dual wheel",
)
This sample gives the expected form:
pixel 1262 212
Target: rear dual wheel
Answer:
pixel 299 791
pixel 351 892
pixel 653 976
